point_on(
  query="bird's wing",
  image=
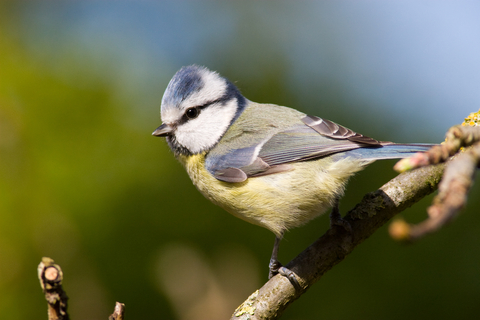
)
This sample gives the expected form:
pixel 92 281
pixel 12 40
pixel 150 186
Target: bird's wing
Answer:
pixel 333 130
pixel 312 138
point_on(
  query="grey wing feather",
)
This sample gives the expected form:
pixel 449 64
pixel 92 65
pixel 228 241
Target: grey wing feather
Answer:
pixel 332 130
pixel 231 175
pixel 314 138
pixel 299 143
pixel 227 167
pixel 317 138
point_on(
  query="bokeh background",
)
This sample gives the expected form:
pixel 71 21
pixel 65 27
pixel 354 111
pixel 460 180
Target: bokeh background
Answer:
pixel 83 182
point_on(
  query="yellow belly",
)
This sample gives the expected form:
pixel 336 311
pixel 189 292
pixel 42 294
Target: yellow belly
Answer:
pixel 279 201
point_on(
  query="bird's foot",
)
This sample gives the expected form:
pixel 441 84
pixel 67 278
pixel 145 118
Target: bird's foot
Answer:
pixel 337 220
pixel 277 268
pixel 340 222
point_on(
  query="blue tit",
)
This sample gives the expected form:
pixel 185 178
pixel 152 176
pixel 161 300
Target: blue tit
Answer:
pixel 272 166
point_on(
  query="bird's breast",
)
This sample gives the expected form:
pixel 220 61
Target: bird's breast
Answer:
pixel 278 201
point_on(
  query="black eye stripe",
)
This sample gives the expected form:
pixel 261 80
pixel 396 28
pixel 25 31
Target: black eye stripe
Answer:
pixel 186 118
pixel 189 113
pixel 210 103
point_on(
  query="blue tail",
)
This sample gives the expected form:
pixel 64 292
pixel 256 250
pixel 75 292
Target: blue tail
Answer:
pixel 388 151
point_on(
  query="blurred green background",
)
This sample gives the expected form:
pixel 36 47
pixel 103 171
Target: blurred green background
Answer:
pixel 83 181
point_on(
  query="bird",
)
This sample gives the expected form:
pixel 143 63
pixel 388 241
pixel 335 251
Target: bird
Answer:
pixel 270 165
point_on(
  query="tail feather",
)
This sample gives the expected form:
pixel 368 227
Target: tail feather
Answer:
pixel 388 151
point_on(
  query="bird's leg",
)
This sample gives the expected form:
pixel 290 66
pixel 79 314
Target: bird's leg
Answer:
pixel 276 267
pixel 337 220
pixel 274 263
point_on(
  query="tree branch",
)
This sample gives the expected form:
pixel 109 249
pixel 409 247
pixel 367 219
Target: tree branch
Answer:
pixel 371 213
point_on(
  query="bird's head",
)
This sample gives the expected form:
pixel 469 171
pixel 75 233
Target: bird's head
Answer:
pixel 198 107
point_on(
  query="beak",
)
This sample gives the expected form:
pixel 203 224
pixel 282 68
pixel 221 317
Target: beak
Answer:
pixel 163 131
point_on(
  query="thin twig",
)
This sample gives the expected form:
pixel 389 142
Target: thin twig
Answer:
pixel 118 312
pixel 51 276
pixel 452 197
pixel 456 182
pixel 457 137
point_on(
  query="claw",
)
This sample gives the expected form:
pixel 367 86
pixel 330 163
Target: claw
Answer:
pixel 290 275
pixel 337 220
pixel 274 268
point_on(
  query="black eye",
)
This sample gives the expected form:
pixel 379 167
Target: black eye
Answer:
pixel 192 113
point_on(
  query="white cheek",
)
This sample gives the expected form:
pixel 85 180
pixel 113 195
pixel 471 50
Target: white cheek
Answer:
pixel 204 132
